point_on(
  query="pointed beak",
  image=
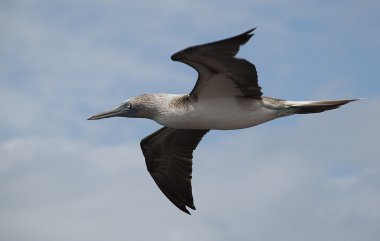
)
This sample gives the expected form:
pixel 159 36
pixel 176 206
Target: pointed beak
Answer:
pixel 106 114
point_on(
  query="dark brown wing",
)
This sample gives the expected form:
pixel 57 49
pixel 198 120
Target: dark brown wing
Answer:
pixel 219 72
pixel 168 156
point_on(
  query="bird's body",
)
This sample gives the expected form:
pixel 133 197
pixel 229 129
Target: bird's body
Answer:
pixel 230 113
pixel 226 96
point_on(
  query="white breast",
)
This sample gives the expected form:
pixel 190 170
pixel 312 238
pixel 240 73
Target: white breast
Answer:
pixel 218 113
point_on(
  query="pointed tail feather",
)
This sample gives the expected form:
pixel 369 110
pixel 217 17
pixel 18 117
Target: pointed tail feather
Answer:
pixel 308 107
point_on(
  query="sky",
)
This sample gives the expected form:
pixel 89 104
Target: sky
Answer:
pixel 305 177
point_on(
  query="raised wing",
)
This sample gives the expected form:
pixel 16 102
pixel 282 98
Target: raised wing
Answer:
pixel 168 156
pixel 220 73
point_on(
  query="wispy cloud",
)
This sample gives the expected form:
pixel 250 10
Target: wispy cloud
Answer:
pixel 301 178
pixel 308 177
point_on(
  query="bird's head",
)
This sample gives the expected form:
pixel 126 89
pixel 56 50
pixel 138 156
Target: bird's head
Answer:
pixel 140 106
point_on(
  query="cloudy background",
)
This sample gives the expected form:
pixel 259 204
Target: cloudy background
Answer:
pixel 314 177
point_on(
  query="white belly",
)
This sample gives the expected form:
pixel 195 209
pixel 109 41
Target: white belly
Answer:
pixel 219 114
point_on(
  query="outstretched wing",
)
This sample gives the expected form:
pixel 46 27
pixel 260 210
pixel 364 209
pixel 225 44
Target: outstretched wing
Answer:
pixel 168 156
pixel 220 73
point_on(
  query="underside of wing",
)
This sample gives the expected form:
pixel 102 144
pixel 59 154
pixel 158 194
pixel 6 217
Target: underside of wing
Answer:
pixel 220 73
pixel 168 156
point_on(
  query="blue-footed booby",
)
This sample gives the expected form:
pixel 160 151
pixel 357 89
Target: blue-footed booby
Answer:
pixel 226 96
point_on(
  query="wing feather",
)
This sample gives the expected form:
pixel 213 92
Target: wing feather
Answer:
pixel 220 73
pixel 168 156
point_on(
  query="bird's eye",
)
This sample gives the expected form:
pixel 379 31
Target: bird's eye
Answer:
pixel 125 106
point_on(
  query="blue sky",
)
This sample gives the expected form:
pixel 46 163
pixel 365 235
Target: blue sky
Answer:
pixel 314 177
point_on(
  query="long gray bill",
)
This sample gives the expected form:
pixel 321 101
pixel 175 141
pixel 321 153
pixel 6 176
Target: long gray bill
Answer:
pixel 106 114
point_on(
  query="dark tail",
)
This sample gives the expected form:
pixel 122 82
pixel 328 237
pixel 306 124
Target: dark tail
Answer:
pixel 308 107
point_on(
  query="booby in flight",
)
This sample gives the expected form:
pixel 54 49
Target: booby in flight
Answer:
pixel 226 96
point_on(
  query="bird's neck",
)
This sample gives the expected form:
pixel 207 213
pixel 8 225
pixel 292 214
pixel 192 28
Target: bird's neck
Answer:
pixel 158 105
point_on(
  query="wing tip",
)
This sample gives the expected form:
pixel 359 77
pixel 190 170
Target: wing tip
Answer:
pixel 250 31
pixel 176 56
pixel 184 209
pixel 246 36
pixel 242 38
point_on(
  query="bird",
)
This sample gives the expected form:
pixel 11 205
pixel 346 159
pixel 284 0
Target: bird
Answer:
pixel 226 96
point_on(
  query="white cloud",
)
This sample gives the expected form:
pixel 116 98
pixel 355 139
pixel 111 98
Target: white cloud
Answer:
pixel 59 188
pixel 302 178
